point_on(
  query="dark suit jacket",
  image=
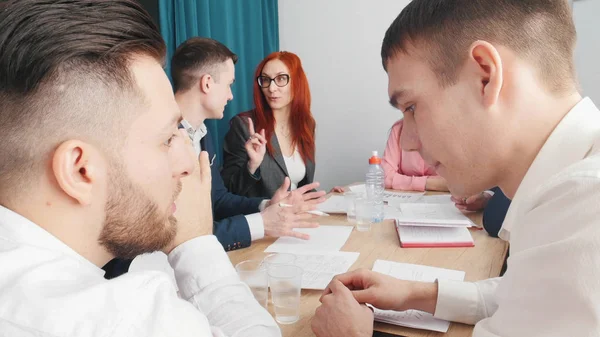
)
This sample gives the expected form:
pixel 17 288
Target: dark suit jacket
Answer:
pixel 271 173
pixel 493 217
pixel 495 212
pixel 229 226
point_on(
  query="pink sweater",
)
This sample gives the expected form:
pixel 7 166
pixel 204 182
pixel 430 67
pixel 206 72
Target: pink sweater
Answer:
pixel 404 170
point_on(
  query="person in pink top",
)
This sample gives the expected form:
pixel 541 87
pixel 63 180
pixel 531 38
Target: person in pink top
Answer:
pixel 406 170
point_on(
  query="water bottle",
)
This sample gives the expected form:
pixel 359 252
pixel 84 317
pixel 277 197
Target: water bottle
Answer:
pixel 375 184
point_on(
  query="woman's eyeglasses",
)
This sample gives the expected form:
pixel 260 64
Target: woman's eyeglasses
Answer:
pixel 280 80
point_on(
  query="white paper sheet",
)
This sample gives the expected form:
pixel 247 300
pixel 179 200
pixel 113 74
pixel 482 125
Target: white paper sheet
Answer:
pixel 391 212
pixel 438 225
pixel 324 239
pixel 391 197
pixel 414 318
pixel 398 198
pixel 435 199
pixel 415 213
pixel 319 269
pixel 361 189
pixel 333 204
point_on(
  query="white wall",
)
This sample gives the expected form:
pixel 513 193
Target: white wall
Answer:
pixel 339 43
pixel 587 54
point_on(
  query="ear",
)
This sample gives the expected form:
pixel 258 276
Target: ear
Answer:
pixel 206 83
pixel 488 66
pixel 75 168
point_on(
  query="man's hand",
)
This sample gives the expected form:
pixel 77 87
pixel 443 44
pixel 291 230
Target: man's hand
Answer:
pixel 194 208
pixel 341 315
pixel 256 147
pixel 298 196
pixel 386 292
pixel 436 183
pixel 280 221
pixel 473 203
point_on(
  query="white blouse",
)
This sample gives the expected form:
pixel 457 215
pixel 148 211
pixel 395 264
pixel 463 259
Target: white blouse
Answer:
pixel 296 168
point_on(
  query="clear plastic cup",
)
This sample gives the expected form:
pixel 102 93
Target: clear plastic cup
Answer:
pixel 254 274
pixel 350 199
pixel 278 259
pixel 364 214
pixel 285 282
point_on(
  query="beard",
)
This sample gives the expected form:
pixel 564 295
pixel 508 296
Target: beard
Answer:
pixel 134 224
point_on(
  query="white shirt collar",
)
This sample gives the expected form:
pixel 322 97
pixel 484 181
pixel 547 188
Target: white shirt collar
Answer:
pixel 195 134
pixel 18 229
pixel 572 139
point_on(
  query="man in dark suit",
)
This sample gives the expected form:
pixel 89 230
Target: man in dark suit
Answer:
pixel 229 210
pixel 202 71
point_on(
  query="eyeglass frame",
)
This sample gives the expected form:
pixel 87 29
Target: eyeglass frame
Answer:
pixel 271 80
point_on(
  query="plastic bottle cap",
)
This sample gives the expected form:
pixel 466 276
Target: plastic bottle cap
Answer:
pixel 374 159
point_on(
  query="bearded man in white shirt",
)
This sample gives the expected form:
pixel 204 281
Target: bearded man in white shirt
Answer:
pixel 91 164
pixel 490 97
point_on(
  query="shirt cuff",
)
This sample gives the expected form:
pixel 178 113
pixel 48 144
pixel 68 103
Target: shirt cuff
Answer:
pixel 263 204
pixel 255 175
pixel 419 183
pixel 198 263
pixel 256 225
pixel 457 301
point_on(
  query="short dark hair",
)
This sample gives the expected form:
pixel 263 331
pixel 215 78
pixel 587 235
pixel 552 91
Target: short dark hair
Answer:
pixel 540 31
pixel 64 71
pixel 196 57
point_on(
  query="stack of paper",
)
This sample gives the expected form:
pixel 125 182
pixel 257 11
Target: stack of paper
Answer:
pixel 428 214
pixel 423 237
pixel 411 272
pixel 319 257
pixel 431 225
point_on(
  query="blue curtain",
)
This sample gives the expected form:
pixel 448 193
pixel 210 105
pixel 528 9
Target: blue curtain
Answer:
pixel 250 28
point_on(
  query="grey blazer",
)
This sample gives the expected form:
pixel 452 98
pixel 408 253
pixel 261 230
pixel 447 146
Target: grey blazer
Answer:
pixel 271 173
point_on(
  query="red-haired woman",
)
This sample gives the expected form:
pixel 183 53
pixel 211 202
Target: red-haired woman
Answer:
pixel 276 139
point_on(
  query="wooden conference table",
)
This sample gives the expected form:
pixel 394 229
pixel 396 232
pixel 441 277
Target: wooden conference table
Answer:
pixel 381 242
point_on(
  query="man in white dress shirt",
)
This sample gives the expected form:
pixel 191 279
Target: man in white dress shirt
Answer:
pixel 490 97
pixel 92 163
